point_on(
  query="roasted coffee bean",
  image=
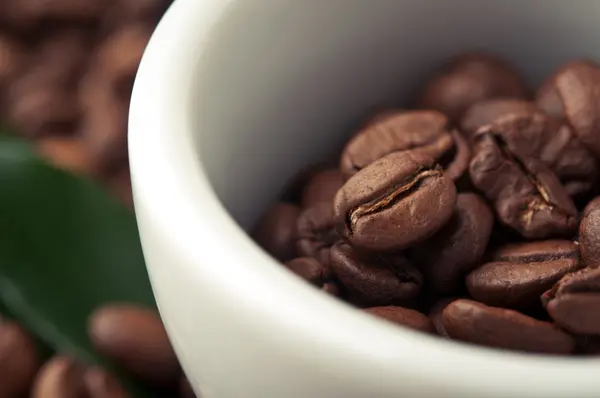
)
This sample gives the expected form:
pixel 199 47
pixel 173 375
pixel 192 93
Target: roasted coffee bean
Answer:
pixel 527 196
pixel 396 202
pixel 586 280
pixel 136 340
pixel 572 93
pixel 99 384
pixel 314 272
pixel 403 317
pixel 60 377
pixel 520 273
pixel 435 314
pixel 316 232
pixel 536 135
pixel 488 111
pixel 373 279
pixel 458 246
pixel 574 302
pixel 468 79
pixel 19 361
pixel 589 234
pixel 427 131
pixel 477 323
pixel 276 231
pixel 322 188
pixel 577 312
pixel 462 155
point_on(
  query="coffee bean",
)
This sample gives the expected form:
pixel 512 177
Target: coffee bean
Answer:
pixel 468 79
pixel 60 377
pixel 314 272
pixel 322 187
pixel 589 234
pixel 574 302
pixel 427 131
pixel 546 250
pixel 374 279
pixel 316 232
pixel 99 384
pixel 477 323
pixel 458 246
pixel 136 340
pixel 403 317
pixel 19 361
pixel 276 231
pixel 486 112
pixel 435 315
pixel 577 312
pixel 536 135
pixel 397 201
pixel 462 156
pixel 521 273
pixel 572 93
pixel 527 196
pixel 586 280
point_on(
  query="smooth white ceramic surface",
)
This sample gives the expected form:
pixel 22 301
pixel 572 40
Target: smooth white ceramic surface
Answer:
pixel 232 97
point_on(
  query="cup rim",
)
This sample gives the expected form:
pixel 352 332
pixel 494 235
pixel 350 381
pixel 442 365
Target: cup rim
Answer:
pixel 169 183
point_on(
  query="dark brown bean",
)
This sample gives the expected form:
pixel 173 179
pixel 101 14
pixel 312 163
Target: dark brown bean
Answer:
pixel 397 201
pixel 60 377
pixel 314 272
pixel 403 317
pixel 136 340
pixel 589 234
pixel 19 361
pixel 375 280
pixel 435 315
pixel 527 196
pixel 477 323
pixel 468 79
pixel 100 384
pixel 516 285
pixel 316 232
pixel 528 252
pixel 276 231
pixel 572 93
pixel 577 312
pixel 399 132
pixel 488 111
pixel 457 248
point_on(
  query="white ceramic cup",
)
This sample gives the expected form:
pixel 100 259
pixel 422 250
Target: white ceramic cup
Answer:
pixel 234 96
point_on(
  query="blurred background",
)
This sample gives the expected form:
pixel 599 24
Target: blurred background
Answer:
pixel 66 72
pixel 77 314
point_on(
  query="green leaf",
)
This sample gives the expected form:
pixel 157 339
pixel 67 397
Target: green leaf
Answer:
pixel 66 248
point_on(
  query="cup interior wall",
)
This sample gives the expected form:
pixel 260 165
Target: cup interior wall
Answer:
pixel 286 87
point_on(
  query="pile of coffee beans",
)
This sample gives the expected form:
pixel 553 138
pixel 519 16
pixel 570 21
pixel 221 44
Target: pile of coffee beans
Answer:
pixel 66 73
pixel 472 216
pixel 131 337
